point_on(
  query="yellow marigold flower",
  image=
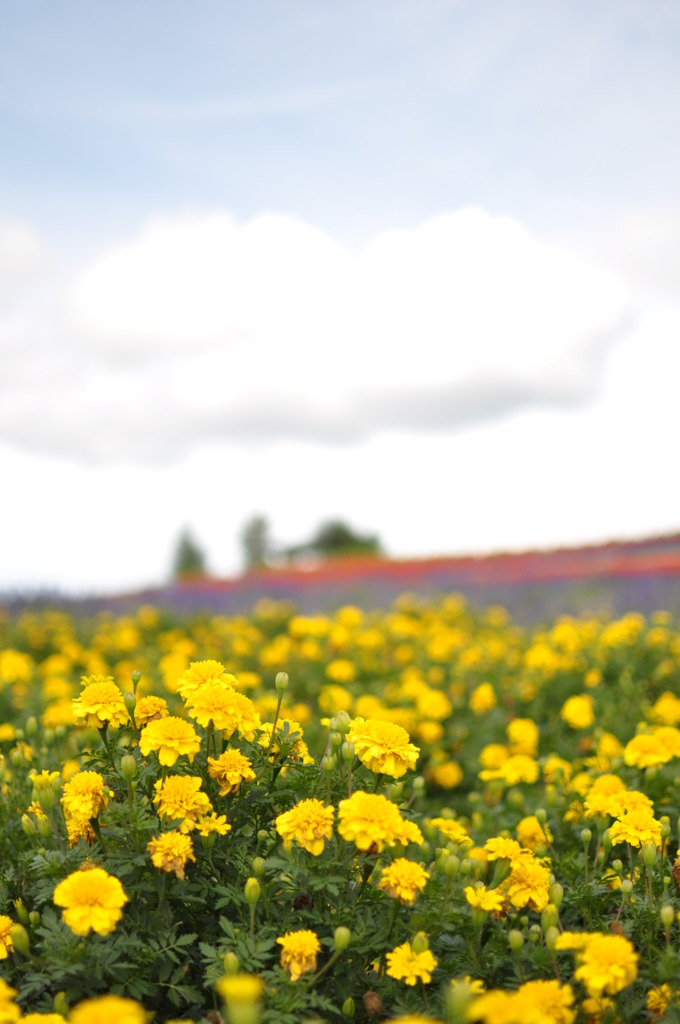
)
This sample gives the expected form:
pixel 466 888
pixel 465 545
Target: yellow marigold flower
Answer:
pixel 79 828
pixel 403 880
pixel 371 821
pixel 666 710
pixel 556 769
pixel 41 1018
pixel 92 900
pixel 447 775
pixel 229 770
pixel 658 1000
pixel 286 731
pixel 108 1010
pixel 547 1002
pixel 404 964
pixel 482 898
pixel 212 824
pixel 515 769
pixel 171 737
pixel 522 736
pixel 501 848
pixel 201 672
pixel 669 738
pixel 299 951
pixel 453 830
pixel 493 755
pixel 644 750
pixel 43 780
pixel 309 823
pixel 6 945
pixel 606 964
pixel 383 747
pixel 595 1009
pixel 179 799
pixel 240 989
pixel 341 671
pixel 578 711
pixel 603 797
pixel 637 827
pixel 226 708
pixel 528 884
pixel 150 709
pixel 171 851
pixel 482 699
pixel 84 796
pixel 334 698
pixel 100 704
pixel 531 835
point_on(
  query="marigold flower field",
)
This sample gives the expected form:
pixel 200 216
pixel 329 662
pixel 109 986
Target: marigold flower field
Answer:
pixel 421 814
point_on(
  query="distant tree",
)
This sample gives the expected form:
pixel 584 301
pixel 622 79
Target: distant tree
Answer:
pixel 255 541
pixel 334 538
pixel 189 558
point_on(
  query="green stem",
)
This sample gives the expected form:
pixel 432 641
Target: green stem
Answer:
pixel 276 718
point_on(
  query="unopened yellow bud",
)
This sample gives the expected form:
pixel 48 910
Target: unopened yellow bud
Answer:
pixel 31 726
pixel 28 825
pixel 347 751
pixel 259 866
pixel 281 681
pixel 342 722
pixel 348 1007
pixel 60 1004
pixel 420 943
pixel 34 919
pixel 20 940
pixel 516 940
pixel 22 913
pixel 230 963
pixel 649 854
pixel 128 766
pixel 667 915
pixel 551 937
pixel 341 938
pixel 252 891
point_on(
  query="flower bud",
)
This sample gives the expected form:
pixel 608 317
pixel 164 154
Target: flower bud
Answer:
pixel 341 938
pixel 534 934
pixel 20 940
pixel 451 866
pixel 586 836
pixel 342 722
pixel 31 726
pixel 48 737
pixel 130 701
pixel 252 891
pixel 44 827
pixel 347 750
pixel 665 830
pixel 551 937
pixel 667 915
pixel 556 894
pixel 258 866
pixel 16 758
pixel 617 866
pixel 515 798
pixel 419 785
pixel 541 815
pixel 626 887
pixel 348 1007
pixel 549 917
pixel 336 740
pixel 136 676
pixel 22 913
pixel 262 836
pixel 28 825
pixel 551 794
pixel 46 799
pixel 128 766
pixel 230 963
pixel 649 854
pixel 34 919
pixel 60 1004
pixel 395 791
pixel 420 943
pixel 515 939
pixel 328 764
pixel 281 682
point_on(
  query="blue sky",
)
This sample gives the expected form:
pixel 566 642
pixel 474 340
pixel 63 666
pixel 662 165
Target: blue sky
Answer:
pixel 310 249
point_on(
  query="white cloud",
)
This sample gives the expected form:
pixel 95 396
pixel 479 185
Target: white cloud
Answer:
pixel 205 328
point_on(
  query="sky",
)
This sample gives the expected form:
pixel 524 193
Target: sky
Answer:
pixel 413 264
